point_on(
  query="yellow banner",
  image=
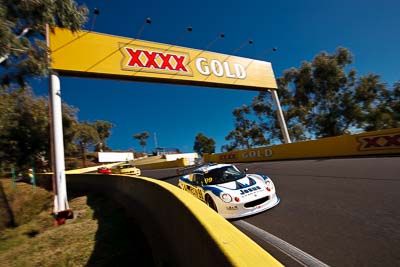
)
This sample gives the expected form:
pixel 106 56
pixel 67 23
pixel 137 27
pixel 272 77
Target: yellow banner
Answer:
pixel 90 54
pixel 382 142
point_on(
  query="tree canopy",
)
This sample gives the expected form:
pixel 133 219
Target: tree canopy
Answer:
pixel 24 127
pixel 24 122
pixel 142 136
pixel 203 144
pixel 23 50
pixel 247 132
pixel 322 98
pixel 103 129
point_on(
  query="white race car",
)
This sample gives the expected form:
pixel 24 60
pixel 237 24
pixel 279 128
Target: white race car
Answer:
pixel 230 192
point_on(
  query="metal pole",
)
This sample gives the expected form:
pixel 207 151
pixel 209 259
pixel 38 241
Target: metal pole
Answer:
pixel 60 197
pixel 279 114
pixel 155 141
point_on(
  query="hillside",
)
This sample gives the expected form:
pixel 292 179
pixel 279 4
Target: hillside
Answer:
pixel 99 235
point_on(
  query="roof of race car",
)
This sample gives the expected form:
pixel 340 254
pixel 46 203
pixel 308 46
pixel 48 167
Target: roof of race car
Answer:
pixel 211 166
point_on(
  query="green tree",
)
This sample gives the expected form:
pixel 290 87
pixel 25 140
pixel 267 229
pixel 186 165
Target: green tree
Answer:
pixel 322 98
pixel 394 103
pixel 70 125
pixel 320 94
pixel 203 144
pixel 24 127
pixel 142 139
pixel 23 55
pixel 23 50
pixel 247 133
pixel 103 129
pixel 380 106
pixel 86 136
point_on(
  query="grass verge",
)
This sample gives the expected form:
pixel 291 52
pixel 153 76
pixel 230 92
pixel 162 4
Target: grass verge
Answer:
pixel 99 235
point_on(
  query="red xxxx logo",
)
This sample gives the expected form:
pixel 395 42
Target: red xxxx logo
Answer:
pixel 151 60
pixel 379 142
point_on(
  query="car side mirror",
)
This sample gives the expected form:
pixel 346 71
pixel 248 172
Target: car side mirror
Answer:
pixel 246 170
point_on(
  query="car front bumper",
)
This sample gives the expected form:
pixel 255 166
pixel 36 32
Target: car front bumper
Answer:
pixel 232 210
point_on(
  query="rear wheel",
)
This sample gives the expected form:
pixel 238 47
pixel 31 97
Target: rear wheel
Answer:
pixel 210 202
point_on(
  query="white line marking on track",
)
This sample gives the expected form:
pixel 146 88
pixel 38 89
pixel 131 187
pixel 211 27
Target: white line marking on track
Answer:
pixel 296 254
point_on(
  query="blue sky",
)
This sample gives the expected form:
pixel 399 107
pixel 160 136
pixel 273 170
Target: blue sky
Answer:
pixel 299 29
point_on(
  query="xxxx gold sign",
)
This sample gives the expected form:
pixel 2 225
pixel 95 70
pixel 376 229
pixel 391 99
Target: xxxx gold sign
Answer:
pixel 90 54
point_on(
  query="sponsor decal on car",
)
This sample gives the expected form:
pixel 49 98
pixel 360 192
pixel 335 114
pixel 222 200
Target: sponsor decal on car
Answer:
pixel 195 191
pixel 249 190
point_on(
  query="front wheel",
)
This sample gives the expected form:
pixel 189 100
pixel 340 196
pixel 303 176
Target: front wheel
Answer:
pixel 210 202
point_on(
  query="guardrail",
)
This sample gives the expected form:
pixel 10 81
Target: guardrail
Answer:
pixel 384 142
pixel 180 229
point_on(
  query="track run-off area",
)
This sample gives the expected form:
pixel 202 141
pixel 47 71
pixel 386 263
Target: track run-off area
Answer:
pixel 336 212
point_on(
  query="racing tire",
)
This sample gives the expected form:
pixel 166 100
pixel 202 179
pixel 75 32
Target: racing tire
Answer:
pixel 210 202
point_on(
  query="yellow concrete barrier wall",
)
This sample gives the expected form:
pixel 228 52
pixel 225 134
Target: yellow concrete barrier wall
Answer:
pixel 91 169
pixel 181 230
pixel 182 162
pixel 368 143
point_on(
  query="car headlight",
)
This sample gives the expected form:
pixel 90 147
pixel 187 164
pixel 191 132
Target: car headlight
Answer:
pixel 226 197
pixel 269 185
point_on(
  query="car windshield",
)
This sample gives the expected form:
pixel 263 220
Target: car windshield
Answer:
pixel 126 166
pixel 223 175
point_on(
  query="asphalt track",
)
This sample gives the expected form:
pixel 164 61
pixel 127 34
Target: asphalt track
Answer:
pixel 340 212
